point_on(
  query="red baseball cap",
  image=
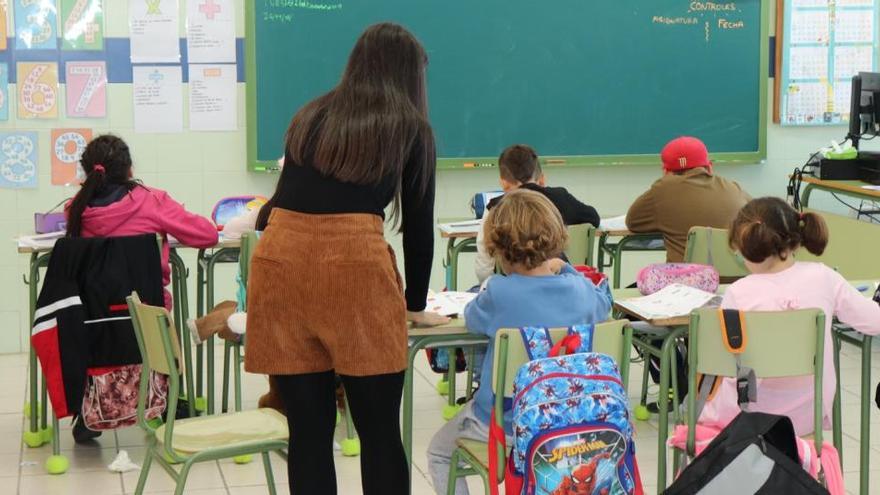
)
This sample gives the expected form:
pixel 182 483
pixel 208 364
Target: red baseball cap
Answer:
pixel 685 153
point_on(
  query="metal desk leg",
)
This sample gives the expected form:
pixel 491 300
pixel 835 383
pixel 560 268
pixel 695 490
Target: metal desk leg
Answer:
pixel 837 428
pixel 454 253
pixel 181 309
pixel 414 348
pixel 448 261
pixel 200 350
pixel 32 437
pixel 865 427
pixel 663 403
pixel 805 196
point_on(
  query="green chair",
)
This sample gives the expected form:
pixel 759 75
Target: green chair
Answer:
pixel 581 240
pixel 613 338
pixel 200 439
pixel 801 333
pixel 709 246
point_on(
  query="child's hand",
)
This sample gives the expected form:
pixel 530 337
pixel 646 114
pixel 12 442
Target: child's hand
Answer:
pixel 426 319
pixel 556 265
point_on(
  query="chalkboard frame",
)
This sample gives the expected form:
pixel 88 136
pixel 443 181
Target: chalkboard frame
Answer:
pixel 472 163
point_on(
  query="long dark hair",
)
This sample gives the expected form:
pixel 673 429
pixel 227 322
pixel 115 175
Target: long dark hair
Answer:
pixel 771 227
pixel 106 160
pixel 375 121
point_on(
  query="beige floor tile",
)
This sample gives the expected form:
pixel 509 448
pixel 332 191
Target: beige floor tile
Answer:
pixel 81 460
pixel 91 483
pixel 253 473
pixel 281 489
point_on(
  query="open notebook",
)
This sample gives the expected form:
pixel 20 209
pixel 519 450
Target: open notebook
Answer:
pixel 449 303
pixel 673 301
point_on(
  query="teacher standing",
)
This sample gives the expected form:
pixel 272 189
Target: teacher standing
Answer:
pixel 325 296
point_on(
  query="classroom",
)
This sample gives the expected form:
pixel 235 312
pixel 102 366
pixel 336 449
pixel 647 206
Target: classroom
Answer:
pixel 395 247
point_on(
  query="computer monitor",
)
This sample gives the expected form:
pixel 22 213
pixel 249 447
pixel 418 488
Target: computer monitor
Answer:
pixel 864 116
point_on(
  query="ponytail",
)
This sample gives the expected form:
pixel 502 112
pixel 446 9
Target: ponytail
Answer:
pixel 94 181
pixel 814 233
pixel 105 161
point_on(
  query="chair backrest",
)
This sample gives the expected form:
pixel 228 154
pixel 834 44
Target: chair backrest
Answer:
pixel 246 252
pixel 579 249
pixel 778 344
pixel 851 247
pixel 611 337
pixel 709 246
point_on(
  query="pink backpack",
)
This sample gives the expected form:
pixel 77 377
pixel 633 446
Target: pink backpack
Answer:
pixel 111 397
pixel 653 278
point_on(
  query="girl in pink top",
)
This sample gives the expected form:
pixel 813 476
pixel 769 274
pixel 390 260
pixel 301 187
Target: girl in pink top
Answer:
pixel 111 203
pixel 767 233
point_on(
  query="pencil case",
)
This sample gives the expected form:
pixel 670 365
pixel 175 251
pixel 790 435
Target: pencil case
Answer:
pixel 51 221
pixel 653 278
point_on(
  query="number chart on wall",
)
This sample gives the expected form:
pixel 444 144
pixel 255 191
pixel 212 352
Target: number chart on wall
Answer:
pixel 56 54
pixel 824 44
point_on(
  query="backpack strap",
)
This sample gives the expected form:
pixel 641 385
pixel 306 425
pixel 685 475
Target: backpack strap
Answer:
pixel 496 436
pixel 736 338
pixel 537 342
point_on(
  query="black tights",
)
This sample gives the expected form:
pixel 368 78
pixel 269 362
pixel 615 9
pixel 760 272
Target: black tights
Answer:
pixel 374 403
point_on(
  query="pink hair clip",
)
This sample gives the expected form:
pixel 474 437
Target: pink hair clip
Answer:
pixel 98 168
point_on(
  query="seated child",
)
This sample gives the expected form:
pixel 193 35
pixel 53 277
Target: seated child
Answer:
pixel 688 195
pixel 520 168
pixel 526 234
pixel 768 233
pixel 111 203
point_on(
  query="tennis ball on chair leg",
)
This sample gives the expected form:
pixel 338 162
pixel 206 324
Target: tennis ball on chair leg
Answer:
pixel 351 447
pixel 243 459
pixel 443 387
pixel 642 413
pixel 57 464
pixel 33 439
pixel 449 411
pixel 47 434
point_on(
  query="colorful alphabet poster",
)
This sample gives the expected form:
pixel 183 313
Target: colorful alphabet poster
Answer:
pixel 82 25
pixel 37 90
pixel 86 89
pixel 35 25
pixel 18 160
pixel 4 92
pixel 824 45
pixel 67 148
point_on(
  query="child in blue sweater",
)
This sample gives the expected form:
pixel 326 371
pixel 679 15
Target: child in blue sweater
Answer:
pixel 526 234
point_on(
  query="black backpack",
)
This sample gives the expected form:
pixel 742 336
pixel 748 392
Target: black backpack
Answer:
pixel 755 455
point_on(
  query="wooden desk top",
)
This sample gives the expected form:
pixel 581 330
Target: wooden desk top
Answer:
pixel 851 186
pixel 454 327
pixel 224 243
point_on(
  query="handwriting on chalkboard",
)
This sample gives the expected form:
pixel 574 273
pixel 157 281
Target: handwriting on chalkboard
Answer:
pixel 282 11
pixel 708 16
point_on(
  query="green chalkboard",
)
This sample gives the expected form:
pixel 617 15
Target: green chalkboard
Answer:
pixel 584 82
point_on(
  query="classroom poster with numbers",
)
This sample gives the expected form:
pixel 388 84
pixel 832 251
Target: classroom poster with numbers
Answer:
pixel 37 90
pixel 825 43
pixel 82 25
pixel 18 160
pixel 86 89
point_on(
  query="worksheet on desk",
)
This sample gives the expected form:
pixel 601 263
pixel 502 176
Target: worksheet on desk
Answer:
pixel 448 303
pixel 673 301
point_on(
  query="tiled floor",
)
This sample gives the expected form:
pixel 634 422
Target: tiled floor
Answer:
pixel 21 468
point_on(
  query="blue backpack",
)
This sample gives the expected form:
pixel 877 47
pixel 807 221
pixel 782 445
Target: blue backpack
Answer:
pixel 571 425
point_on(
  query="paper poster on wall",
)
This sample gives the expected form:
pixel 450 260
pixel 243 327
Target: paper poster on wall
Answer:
pixel 37 90
pixel 4 92
pixel 18 160
pixel 155 30
pixel 67 148
pixel 158 99
pixel 213 102
pixel 4 26
pixel 35 25
pixel 86 89
pixel 82 25
pixel 210 31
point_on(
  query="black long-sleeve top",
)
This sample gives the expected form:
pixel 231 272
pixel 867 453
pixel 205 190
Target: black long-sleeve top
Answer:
pixel 304 189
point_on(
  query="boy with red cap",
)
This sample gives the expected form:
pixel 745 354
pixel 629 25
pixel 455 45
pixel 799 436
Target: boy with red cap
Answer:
pixel 688 195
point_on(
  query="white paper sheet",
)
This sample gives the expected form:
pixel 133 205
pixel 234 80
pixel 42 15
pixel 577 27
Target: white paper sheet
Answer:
pixel 213 102
pixel 671 302
pixel 613 223
pixel 158 99
pixel 465 227
pixel 155 30
pixel 210 31
pixel 448 303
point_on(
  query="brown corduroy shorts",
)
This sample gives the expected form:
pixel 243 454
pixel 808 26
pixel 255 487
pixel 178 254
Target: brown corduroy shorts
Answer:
pixel 324 294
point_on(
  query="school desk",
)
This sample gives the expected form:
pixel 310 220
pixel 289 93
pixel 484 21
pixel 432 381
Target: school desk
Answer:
pixel 851 188
pixel 453 334
pixel 457 243
pixel 39 432
pixel 628 242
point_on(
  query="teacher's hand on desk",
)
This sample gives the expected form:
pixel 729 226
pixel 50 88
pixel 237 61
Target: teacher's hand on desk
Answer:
pixel 426 319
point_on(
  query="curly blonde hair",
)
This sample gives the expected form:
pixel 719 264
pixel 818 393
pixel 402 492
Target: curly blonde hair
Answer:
pixel 524 229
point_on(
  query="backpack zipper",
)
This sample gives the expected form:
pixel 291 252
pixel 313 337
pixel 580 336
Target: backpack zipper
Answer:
pixel 604 378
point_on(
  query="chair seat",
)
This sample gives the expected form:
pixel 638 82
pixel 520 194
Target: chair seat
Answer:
pixel 226 430
pixel 477 450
